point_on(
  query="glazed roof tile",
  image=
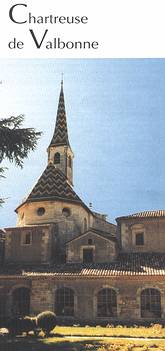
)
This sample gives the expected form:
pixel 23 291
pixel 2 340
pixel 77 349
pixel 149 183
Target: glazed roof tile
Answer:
pixel 52 185
pixel 60 136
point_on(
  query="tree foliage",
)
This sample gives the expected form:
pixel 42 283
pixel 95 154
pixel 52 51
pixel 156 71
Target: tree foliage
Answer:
pixel 16 141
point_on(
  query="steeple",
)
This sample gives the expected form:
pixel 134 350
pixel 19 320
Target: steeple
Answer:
pixel 60 136
pixel 59 150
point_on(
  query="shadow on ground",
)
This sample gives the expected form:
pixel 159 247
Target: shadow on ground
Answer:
pixel 30 343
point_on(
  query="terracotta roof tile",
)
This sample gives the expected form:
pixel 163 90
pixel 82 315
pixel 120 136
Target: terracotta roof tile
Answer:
pixel 133 264
pixel 144 214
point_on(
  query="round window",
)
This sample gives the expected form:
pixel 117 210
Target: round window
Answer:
pixel 66 212
pixel 40 211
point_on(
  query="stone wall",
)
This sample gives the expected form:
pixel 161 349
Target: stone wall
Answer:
pixel 101 224
pixel 68 226
pixel 39 250
pixel 86 290
pixel 43 290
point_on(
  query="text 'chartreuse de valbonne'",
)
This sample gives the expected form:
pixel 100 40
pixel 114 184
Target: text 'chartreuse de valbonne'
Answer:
pixel 20 15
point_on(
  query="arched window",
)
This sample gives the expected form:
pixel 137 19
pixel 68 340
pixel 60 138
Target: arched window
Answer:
pixel 107 303
pixel 85 224
pixel 70 161
pixel 150 303
pixel 21 302
pixel 64 302
pixel 56 158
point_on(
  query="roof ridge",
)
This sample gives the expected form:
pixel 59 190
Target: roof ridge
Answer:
pixel 97 232
pixel 143 214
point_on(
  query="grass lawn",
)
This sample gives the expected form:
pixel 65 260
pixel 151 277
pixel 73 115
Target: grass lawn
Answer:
pixel 89 339
pixel 151 332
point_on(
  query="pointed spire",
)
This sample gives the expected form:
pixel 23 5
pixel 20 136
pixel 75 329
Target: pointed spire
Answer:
pixel 60 136
pixel 62 74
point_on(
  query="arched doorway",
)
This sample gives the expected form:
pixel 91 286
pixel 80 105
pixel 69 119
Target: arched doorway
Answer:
pixel 20 302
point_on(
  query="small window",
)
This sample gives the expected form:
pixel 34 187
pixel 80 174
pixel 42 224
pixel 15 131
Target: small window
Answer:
pixel 70 161
pixel 57 158
pixel 85 224
pixel 40 211
pixel 90 241
pixel 66 212
pixel 139 239
pixel 87 255
pixel 26 238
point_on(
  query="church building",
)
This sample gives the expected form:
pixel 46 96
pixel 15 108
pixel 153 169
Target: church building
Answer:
pixel 64 257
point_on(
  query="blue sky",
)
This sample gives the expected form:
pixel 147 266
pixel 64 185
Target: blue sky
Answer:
pixel 116 121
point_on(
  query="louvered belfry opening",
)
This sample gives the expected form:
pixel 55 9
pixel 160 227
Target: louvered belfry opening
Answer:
pixel 64 302
pixel 107 303
pixel 21 302
pixel 57 158
pixel 150 303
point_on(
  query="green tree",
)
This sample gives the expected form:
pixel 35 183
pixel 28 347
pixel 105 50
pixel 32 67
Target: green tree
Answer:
pixel 15 141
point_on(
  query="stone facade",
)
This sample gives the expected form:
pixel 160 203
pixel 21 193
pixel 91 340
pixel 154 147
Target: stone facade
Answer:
pixel 43 296
pixel 153 229
pixel 68 225
pixel 39 248
pixel 64 257
pixel 103 249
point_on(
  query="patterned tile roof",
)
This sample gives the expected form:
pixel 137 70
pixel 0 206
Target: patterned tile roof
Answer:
pixel 133 264
pixel 60 136
pixel 144 214
pixel 53 185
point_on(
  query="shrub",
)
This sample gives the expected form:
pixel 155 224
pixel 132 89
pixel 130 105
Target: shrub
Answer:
pixel 46 321
pixel 29 324
pixel 18 325
pixel 14 325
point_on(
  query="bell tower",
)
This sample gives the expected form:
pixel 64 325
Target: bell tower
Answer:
pixel 59 150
